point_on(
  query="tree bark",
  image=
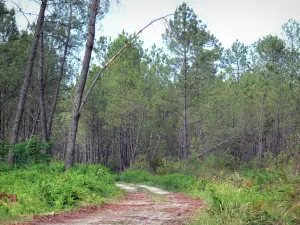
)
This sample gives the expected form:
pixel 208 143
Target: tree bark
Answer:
pixel 36 122
pixel 261 131
pixel 185 134
pixel 69 162
pixel 1 110
pixel 27 78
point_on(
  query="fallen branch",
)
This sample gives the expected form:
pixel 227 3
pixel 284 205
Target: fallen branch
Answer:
pixel 218 145
pixel 114 57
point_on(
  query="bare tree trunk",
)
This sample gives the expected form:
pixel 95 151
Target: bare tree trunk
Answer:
pixel 278 117
pixel 61 72
pixel 149 151
pixel 98 136
pixel 185 134
pixel 27 78
pixel 119 153
pixel 133 154
pixel 80 87
pixel 30 122
pixel 42 91
pixel 1 112
pixel 23 126
pixel 2 116
pixel 244 155
pixel 35 125
pixel 261 131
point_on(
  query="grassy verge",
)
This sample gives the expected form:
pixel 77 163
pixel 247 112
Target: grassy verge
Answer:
pixel 48 188
pixel 171 182
pixel 244 196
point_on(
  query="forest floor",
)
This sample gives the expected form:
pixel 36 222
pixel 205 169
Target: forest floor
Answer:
pixel 141 205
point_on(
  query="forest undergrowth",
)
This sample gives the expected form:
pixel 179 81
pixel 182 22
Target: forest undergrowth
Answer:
pixel 265 191
pixel 43 188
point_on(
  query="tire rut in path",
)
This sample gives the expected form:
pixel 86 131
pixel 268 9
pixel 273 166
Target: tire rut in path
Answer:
pixel 152 206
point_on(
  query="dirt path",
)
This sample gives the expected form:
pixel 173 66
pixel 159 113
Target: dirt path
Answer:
pixel 140 205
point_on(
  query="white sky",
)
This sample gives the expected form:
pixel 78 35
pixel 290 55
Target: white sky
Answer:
pixel 228 20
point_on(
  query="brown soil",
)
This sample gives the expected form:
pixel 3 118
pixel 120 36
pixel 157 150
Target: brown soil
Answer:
pixel 138 207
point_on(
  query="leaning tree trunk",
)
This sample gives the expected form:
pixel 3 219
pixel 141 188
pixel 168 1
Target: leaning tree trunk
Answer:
pixel 59 78
pixel 27 78
pixel 69 162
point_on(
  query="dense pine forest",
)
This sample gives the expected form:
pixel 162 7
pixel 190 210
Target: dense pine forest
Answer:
pixel 192 116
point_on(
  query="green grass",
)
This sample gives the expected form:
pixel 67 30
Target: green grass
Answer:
pixel 245 196
pixel 171 182
pixel 46 188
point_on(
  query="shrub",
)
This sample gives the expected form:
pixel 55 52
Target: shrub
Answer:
pixel 175 182
pixel 245 194
pixel 48 187
pixel 135 176
pixel 30 151
pixel 4 148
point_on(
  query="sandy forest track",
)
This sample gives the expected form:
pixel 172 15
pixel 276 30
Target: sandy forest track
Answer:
pixel 140 205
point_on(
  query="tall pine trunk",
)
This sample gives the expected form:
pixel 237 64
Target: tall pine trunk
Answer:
pixel 27 78
pixel 185 134
pixel 69 161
